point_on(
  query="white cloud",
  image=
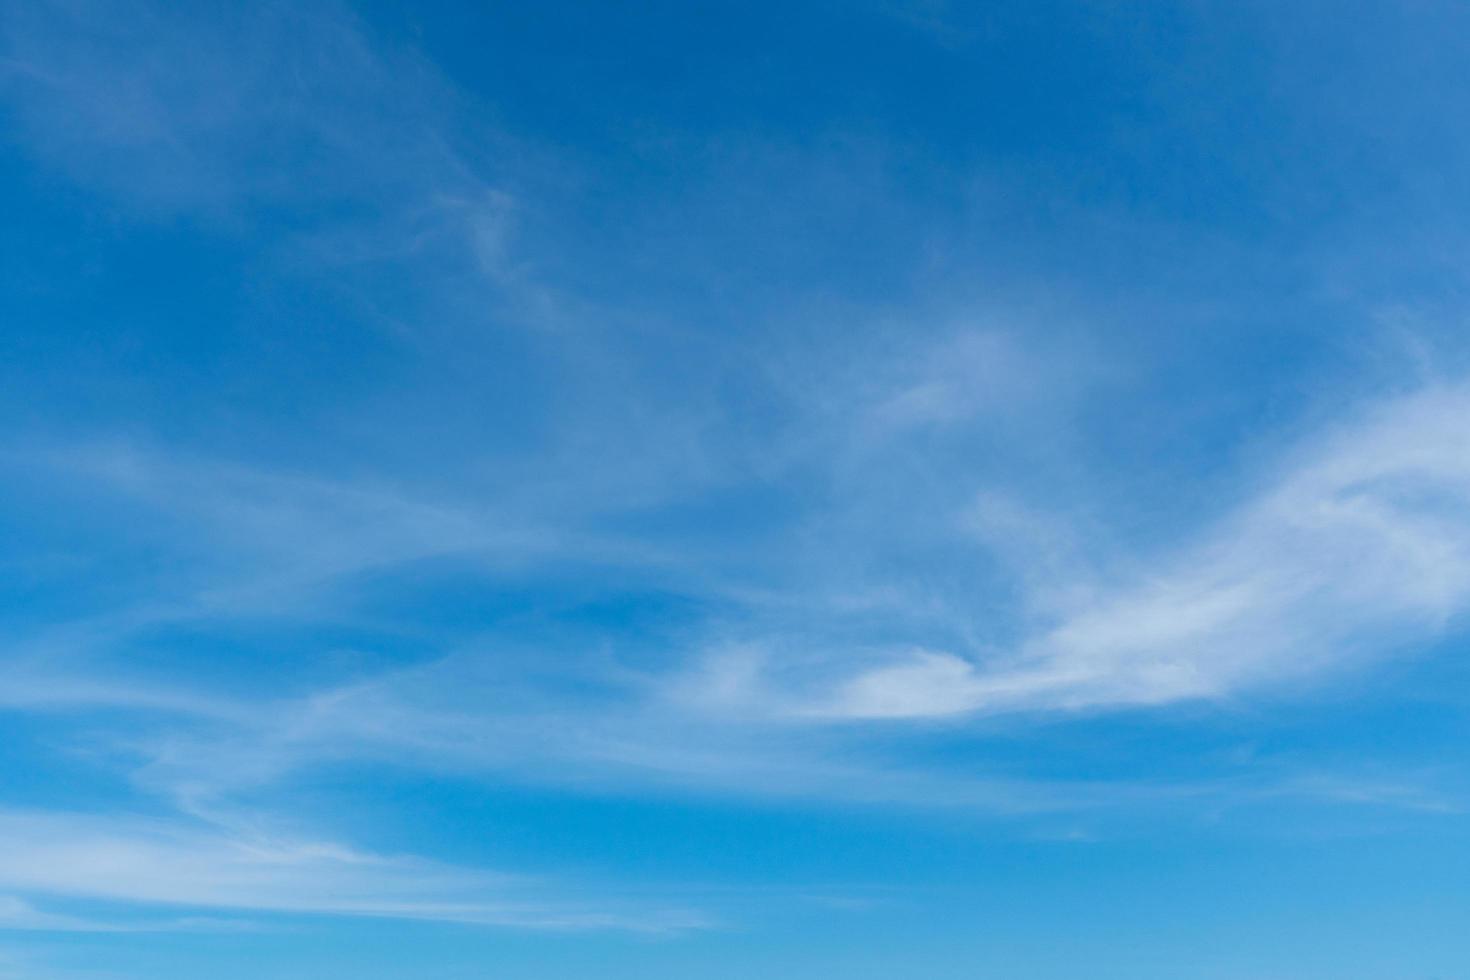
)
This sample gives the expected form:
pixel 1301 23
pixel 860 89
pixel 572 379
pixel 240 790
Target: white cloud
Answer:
pixel 20 915
pixel 271 109
pixel 1359 548
pixel 1356 546
pixel 170 863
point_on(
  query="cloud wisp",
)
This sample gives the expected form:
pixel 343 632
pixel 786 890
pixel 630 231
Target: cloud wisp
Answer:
pixel 1363 535
pixel 168 863
pixel 1361 547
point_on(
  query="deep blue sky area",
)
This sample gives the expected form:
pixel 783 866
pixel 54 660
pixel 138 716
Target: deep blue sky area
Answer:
pixel 709 490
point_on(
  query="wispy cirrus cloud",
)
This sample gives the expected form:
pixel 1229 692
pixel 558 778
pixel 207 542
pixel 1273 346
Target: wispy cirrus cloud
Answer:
pixel 1358 541
pixel 20 915
pixel 170 863
pixel 343 156
pixel 664 449
pixel 1358 548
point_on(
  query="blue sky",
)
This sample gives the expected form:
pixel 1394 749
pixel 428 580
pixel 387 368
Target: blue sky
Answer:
pixel 702 491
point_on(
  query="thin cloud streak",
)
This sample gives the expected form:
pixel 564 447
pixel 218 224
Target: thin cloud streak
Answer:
pixel 1363 534
pixel 169 862
pixel 1360 549
pixel 19 915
